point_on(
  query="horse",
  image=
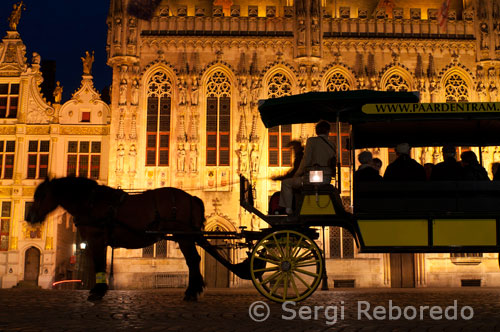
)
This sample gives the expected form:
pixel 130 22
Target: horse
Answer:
pixel 106 216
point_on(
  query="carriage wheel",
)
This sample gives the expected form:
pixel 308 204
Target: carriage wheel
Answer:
pixel 286 266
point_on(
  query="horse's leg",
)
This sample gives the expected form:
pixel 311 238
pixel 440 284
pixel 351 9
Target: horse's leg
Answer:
pixel 196 284
pixel 96 242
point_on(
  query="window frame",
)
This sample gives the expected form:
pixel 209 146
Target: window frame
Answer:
pixel 91 156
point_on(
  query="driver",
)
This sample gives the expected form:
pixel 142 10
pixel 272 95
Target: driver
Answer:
pixel 318 151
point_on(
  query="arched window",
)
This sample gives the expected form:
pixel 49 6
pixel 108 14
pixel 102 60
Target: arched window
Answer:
pixel 456 89
pixel 218 119
pixel 396 82
pixel 338 82
pixel 158 119
pixel 279 85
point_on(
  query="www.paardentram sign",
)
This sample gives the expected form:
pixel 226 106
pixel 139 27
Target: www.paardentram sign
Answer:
pixel 431 108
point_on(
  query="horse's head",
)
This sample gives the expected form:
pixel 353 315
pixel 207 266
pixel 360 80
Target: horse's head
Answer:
pixel 44 202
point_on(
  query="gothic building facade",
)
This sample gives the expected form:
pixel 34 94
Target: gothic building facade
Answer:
pixel 185 92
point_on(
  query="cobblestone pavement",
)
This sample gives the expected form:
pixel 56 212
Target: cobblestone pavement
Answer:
pixel 228 310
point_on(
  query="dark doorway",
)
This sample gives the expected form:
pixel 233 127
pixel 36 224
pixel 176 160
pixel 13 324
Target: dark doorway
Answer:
pixel 32 265
pixel 216 275
pixel 402 270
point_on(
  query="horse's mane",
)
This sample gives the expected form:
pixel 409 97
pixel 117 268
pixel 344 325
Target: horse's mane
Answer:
pixel 78 187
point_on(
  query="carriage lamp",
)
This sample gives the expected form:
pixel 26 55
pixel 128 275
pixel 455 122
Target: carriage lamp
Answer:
pixel 83 245
pixel 315 176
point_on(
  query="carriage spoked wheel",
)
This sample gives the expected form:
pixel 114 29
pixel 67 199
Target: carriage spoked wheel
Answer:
pixel 286 266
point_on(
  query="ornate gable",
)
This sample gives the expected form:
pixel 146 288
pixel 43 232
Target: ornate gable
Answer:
pixel 12 55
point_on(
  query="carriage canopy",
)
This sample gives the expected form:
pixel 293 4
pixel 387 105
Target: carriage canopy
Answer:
pixel 384 118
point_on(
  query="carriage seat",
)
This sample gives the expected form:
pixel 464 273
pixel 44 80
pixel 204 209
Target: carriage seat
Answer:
pixel 429 197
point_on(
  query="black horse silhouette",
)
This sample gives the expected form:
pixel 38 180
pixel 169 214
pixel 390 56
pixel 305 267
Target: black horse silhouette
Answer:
pixel 106 216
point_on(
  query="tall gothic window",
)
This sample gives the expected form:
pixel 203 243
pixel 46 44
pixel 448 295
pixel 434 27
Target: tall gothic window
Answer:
pixel 279 85
pixel 218 119
pixel 338 82
pixel 456 89
pixel 341 243
pixel 158 119
pixel 396 82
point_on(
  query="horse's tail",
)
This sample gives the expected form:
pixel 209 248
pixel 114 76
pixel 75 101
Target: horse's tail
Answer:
pixel 199 214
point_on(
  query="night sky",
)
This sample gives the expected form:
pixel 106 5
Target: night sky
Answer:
pixel 62 30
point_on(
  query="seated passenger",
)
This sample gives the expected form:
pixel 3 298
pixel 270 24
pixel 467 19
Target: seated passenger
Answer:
pixel 472 169
pixel 298 152
pixel 318 151
pixel 366 172
pixel 450 169
pixel 404 168
pixel 377 164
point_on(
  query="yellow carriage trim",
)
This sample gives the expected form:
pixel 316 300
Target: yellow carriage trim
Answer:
pixel 464 232
pixel 320 206
pixel 390 232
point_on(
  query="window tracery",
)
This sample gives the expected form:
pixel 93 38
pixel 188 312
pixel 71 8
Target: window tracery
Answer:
pixel 396 82
pixel 338 82
pixel 456 89
pixel 218 119
pixel 159 92
pixel 280 154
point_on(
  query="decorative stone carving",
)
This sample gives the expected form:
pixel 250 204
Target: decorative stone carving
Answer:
pixel 199 11
pixel 120 155
pixel 217 11
pixel 397 13
pixel 362 13
pixel 235 11
pixel 165 11
pixel 132 159
pixel 432 14
pixel 496 31
pixel 182 10
pixel 270 11
pixel 58 90
pixel 415 13
pixel 345 12
pixel 182 91
pixel 380 13
pixel 195 91
pixel 253 11
pixel 288 11
pixel 468 15
pixel 452 15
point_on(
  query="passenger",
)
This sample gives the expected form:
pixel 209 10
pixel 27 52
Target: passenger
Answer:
pixel 298 152
pixel 377 164
pixel 472 169
pixel 318 151
pixel 366 172
pixel 450 169
pixel 404 168
pixel 495 170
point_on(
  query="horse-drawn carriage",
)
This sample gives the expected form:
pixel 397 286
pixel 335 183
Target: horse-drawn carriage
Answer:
pixel 285 263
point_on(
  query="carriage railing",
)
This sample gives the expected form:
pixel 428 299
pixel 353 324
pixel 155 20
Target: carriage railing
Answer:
pixel 247 199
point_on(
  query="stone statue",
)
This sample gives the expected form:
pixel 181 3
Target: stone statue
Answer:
pixel 195 91
pixel 193 158
pixel 481 91
pixel 484 36
pixel 58 90
pixel 87 63
pixel 132 154
pixel 181 158
pixel 120 158
pixel 244 91
pixel 243 158
pixel 182 91
pixel 135 91
pixel 433 90
pixel 254 158
pixel 497 36
pixel 36 58
pixel 15 16
pixel 122 100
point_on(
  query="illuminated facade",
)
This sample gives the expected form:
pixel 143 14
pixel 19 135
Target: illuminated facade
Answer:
pixel 184 114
